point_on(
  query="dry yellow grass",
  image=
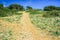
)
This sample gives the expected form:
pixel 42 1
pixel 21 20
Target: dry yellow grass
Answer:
pixel 25 30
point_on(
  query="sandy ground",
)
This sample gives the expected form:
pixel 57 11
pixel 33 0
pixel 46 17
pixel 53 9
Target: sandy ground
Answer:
pixel 25 30
pixel 28 29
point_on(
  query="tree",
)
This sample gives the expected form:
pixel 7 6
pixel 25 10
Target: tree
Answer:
pixel 16 6
pixel 50 8
pixel 1 6
pixel 58 8
pixel 29 8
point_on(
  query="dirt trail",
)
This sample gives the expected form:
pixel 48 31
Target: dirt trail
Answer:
pixel 28 29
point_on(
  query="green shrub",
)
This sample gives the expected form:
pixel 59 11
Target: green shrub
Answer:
pixel 7 12
pixel 51 14
pixel 55 33
pixel 3 13
pixel 34 12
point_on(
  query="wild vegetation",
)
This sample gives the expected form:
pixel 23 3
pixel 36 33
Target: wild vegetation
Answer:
pixel 10 10
pixel 52 25
pixel 45 19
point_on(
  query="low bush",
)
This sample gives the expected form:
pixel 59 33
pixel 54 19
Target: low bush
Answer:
pixel 7 12
pixel 51 14
pixel 34 12
pixel 55 33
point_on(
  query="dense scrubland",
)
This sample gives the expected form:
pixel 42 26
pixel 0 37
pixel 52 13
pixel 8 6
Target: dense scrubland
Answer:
pixel 47 18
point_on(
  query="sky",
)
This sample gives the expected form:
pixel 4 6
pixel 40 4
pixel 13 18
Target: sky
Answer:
pixel 38 4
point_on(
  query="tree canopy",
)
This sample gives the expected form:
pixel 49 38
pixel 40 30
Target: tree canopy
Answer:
pixel 28 7
pixel 51 8
pixel 16 6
